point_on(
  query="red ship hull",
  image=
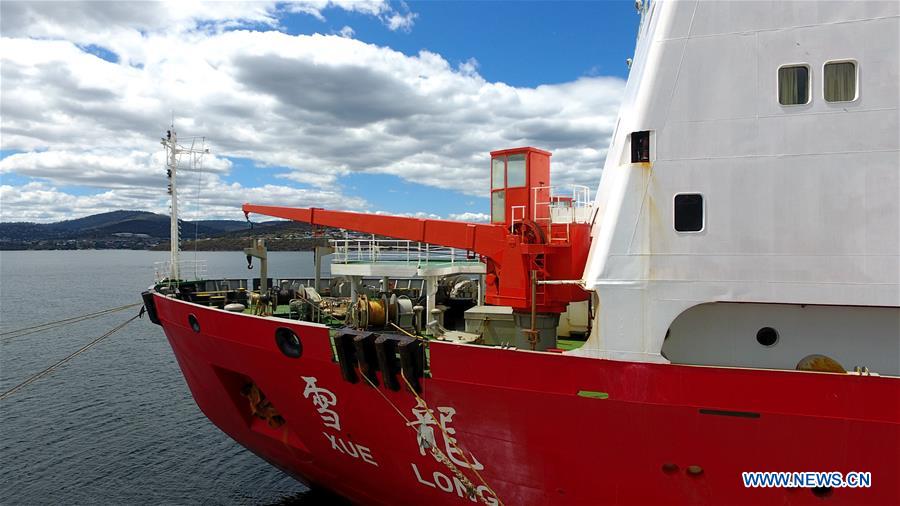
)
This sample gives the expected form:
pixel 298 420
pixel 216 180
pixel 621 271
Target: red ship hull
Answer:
pixel 647 434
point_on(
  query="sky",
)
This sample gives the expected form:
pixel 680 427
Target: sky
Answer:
pixel 371 105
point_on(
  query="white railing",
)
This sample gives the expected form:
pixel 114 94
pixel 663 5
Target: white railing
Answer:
pixel 551 207
pixel 348 251
pixel 187 270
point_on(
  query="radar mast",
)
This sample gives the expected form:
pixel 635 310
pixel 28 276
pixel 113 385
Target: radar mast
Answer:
pixel 196 150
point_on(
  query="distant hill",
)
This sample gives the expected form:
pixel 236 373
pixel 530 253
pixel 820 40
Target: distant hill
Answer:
pixel 136 230
pixel 118 221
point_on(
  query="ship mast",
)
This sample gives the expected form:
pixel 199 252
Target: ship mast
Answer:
pixel 173 149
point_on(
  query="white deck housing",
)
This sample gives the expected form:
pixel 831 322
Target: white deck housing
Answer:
pixel 800 202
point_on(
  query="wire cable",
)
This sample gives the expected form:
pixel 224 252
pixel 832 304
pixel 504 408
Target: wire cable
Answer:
pixel 31 379
pixel 10 334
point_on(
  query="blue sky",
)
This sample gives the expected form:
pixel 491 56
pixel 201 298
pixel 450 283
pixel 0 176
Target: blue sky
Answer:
pixel 286 119
pixel 526 43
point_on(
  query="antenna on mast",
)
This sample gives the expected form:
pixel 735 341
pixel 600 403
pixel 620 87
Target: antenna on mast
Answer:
pixel 173 150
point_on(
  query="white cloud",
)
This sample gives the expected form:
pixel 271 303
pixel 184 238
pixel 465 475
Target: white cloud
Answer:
pixel 347 32
pixel 321 106
pixel 468 67
pixel 123 27
pixel 114 169
pixel 315 7
pixel 402 22
pixel 473 217
pixel 41 202
pixel 418 214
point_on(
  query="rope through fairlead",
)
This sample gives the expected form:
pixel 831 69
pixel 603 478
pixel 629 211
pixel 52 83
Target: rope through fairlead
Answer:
pixel 81 350
pixel 450 440
pixel 435 451
pixel 12 334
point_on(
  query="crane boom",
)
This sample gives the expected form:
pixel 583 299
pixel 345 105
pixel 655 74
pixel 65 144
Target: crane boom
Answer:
pixel 483 239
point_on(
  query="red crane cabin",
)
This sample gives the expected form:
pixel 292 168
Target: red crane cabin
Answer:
pixel 519 178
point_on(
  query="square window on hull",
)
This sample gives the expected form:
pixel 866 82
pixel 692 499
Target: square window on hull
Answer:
pixel 688 212
pixel 840 81
pixel 640 146
pixel 793 85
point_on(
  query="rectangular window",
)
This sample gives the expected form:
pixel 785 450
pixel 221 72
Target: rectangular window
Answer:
pixel 793 85
pixel 688 212
pixel 498 206
pixel 515 171
pixel 640 146
pixel 497 173
pixel 840 81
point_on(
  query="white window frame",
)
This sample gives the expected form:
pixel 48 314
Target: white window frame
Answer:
pixel 809 85
pixel 855 75
pixel 703 217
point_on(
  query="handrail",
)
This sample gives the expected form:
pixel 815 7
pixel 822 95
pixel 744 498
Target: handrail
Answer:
pixel 393 250
pixel 560 211
pixel 197 267
pixel 513 220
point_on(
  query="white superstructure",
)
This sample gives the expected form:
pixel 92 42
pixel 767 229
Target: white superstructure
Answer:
pixel 789 184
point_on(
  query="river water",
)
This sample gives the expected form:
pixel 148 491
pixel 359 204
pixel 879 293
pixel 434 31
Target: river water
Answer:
pixel 117 424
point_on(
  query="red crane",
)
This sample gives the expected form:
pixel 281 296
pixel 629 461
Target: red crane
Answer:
pixel 522 246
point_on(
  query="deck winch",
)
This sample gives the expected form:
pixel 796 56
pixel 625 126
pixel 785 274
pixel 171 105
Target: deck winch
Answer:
pixel 383 312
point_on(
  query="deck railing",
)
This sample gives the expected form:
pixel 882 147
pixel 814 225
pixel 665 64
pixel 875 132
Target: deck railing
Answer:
pixel 555 211
pixel 187 269
pixel 347 251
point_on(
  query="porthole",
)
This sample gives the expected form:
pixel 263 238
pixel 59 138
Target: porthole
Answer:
pixel 288 342
pixel 195 325
pixel 767 336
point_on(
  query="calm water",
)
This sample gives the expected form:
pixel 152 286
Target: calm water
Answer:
pixel 116 425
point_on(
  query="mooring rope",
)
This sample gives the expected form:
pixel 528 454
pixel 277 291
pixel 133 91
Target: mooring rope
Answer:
pixel 450 440
pixel 35 377
pixel 405 331
pixel 435 451
pixel 11 334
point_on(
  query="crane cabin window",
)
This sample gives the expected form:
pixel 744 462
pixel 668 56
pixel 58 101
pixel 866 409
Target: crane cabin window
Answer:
pixel 793 85
pixel 498 173
pixel 515 170
pixel 840 81
pixel 498 206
